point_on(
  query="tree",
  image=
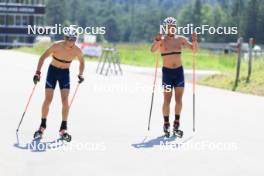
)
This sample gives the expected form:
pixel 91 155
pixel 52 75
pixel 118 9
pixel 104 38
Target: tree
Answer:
pixel 237 15
pixel 197 13
pixel 185 15
pixel 251 15
pixel 260 25
pixel 112 30
pixel 138 20
pixel 56 12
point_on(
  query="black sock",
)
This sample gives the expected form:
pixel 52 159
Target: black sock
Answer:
pixel 43 123
pixel 177 118
pixel 63 125
pixel 166 119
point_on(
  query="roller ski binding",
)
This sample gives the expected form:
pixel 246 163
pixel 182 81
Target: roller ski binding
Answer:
pixel 65 136
pixel 176 131
pixel 39 133
pixel 166 129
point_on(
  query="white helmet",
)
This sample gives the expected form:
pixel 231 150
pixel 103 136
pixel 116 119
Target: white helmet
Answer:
pixel 71 33
pixel 170 21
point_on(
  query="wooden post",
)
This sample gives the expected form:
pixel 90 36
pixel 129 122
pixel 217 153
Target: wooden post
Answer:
pixel 239 48
pixel 251 40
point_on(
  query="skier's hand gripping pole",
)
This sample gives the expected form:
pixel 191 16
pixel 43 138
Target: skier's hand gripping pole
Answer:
pixel 194 50
pixel 25 110
pixel 153 90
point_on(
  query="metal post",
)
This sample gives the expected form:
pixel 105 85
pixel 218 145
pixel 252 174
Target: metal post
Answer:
pixel 109 62
pixel 239 47
pixel 104 60
pixel 118 62
pixel 100 61
pixel 110 56
pixel 250 59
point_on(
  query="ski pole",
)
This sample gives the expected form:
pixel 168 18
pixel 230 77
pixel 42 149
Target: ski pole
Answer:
pixel 77 87
pixel 153 90
pixel 25 110
pixel 193 81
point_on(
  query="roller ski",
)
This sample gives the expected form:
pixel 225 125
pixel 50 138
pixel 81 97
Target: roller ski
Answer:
pixel 166 129
pixel 39 133
pixel 64 136
pixel 176 131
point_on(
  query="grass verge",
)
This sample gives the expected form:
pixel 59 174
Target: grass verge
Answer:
pixel 140 55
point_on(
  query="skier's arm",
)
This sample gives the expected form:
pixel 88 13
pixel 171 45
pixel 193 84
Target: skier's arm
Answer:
pixel 82 63
pixel 81 66
pixel 155 46
pixel 191 45
pixel 156 43
pixel 44 56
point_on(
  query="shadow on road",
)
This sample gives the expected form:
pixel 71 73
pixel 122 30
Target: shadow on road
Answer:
pixel 37 146
pixel 162 140
pixel 154 142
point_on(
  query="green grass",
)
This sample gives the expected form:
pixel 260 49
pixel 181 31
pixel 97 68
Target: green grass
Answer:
pixel 39 48
pixel 226 80
pixel 140 55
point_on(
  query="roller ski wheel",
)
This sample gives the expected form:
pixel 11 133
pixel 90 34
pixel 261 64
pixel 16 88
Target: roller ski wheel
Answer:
pixel 176 131
pixel 39 133
pixel 65 136
pixel 166 130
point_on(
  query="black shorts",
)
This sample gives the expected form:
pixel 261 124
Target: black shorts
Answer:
pixel 58 74
pixel 172 77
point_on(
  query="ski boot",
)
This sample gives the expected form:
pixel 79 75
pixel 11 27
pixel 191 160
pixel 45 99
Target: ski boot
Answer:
pixel 166 129
pixel 65 136
pixel 176 131
pixel 39 133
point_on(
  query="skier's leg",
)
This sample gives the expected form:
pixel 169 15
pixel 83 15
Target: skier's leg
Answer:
pixel 179 89
pixel 64 83
pixel 46 104
pixel 178 99
pixel 65 103
pixel 166 104
pixel 178 107
pixel 166 111
pixel 49 91
pixel 167 83
pixel 65 112
pixel 45 111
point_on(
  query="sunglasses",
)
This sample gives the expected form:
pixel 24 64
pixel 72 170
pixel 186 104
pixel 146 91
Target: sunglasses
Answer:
pixel 72 39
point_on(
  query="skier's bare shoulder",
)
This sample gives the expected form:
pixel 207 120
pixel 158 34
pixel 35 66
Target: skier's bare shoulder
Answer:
pixel 62 51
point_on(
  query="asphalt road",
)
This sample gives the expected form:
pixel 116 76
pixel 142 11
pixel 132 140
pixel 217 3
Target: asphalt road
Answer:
pixel 108 123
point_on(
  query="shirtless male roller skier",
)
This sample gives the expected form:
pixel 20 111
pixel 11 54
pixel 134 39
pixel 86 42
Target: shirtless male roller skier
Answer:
pixel 170 48
pixel 63 52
